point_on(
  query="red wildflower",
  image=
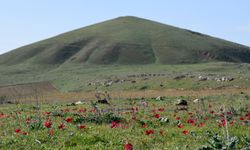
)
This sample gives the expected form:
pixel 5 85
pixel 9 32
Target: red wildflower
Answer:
pixel 177 118
pixel 82 126
pixel 180 125
pixel 93 110
pixel 232 123
pixel 211 112
pixel 114 124
pixel 69 120
pixel 2 115
pixel 134 108
pixel 133 117
pixel 82 110
pixel 161 109
pixel 128 146
pixel 157 116
pixel 148 132
pixel 223 123
pixel 242 118
pixel 191 121
pixel 186 132
pixel 61 126
pixel 201 124
pixel 18 130
pixel 47 124
pixel 144 125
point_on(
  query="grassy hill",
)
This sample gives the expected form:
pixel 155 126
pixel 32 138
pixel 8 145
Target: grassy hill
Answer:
pixel 120 47
pixel 128 40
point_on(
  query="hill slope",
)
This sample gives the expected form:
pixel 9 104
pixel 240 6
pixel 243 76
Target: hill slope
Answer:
pixel 128 40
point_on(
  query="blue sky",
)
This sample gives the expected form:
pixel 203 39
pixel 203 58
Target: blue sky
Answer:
pixel 27 21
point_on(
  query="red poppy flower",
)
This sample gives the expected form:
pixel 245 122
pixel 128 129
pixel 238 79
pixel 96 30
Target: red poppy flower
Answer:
pixel 191 121
pixel 18 130
pixel 242 118
pixel 28 120
pixel 223 123
pixel 69 120
pixel 232 123
pixel 201 125
pixel 133 117
pixel 47 124
pixel 128 146
pixel 61 126
pixel 144 125
pixel 2 115
pixel 157 116
pixel 180 125
pixel 161 109
pixel 82 127
pixel 148 132
pixel 134 108
pixel 186 132
pixel 82 110
pixel 248 114
pixel 114 124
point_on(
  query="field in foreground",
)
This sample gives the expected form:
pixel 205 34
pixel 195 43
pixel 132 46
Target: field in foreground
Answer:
pixel 221 118
pixel 146 124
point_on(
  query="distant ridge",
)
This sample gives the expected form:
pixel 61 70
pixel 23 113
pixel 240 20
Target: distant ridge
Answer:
pixel 128 40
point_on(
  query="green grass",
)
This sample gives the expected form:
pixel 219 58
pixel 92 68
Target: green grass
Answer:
pixel 102 136
pixel 73 77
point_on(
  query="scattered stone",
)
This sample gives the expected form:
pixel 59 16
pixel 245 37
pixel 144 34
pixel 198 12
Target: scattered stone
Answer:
pixel 202 78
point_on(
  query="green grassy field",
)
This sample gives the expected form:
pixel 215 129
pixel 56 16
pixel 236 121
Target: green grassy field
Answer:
pixel 73 77
pixel 57 126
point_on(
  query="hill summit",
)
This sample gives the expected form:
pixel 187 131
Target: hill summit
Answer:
pixel 128 40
